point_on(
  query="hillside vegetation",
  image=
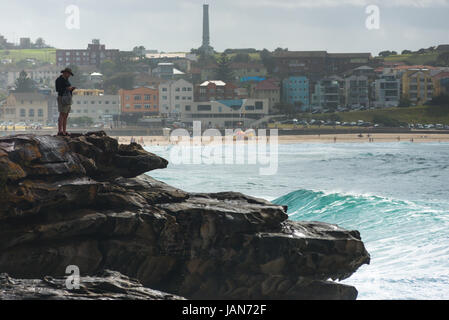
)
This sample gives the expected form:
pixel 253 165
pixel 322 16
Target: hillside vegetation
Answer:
pixel 420 114
pixel 40 55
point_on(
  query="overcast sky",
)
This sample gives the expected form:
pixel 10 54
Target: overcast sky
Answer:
pixel 176 25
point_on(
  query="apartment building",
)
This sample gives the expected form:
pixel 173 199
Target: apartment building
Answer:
pixel 387 91
pixel 216 90
pixel 100 108
pixel 417 85
pixel 173 95
pixel 441 83
pixel 45 75
pixel 225 113
pixel 357 91
pixel 295 91
pixel 141 100
pixel 25 107
pixel 94 55
pixel 317 64
pixel 269 90
pixel 328 94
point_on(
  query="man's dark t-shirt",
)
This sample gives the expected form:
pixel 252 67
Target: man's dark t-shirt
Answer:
pixel 61 85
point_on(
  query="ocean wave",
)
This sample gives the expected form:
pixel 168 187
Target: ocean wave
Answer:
pixel 407 240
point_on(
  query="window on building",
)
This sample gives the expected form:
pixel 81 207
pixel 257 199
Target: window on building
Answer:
pixel 177 98
pixel 147 106
pixel 204 107
pixel 31 112
pixel 22 112
pixel 147 97
pixel 86 111
pixel 177 89
pixel 128 106
pixel 137 106
pixel 126 97
pixel 188 108
pixel 164 89
pixel 40 113
pixel 137 97
pixel 259 105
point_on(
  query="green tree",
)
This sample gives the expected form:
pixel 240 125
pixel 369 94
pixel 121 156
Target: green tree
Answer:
pixel 441 100
pixel 139 52
pixel 224 71
pixel 25 84
pixel 267 60
pixel 108 68
pixel 387 53
pixel 386 121
pixel 40 43
pixel 78 80
pixel 123 80
pixel 404 103
pixel 241 57
pixel 287 109
pixel 406 52
pixel 443 59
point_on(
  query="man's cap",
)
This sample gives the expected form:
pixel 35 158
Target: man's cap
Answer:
pixel 67 70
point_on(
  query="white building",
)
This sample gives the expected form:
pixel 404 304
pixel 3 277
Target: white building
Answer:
pixel 42 75
pixel 387 91
pixel 174 95
pixel 225 113
pixel 166 70
pixel 357 91
pixel 101 108
pixel 96 77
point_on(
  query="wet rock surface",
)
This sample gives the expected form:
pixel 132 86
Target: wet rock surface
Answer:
pixel 83 200
pixel 109 285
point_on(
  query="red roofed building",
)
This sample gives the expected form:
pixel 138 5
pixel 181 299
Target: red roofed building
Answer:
pixel 267 89
pixel 216 90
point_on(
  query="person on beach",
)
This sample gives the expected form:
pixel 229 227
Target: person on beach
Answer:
pixel 63 87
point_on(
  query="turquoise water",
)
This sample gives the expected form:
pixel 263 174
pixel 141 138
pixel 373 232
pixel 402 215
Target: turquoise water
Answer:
pixel 395 194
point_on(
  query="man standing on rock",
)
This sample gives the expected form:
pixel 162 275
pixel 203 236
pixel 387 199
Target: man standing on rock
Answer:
pixel 64 88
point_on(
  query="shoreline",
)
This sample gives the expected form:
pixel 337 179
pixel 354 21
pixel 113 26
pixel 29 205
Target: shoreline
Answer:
pixel 159 140
pixel 321 138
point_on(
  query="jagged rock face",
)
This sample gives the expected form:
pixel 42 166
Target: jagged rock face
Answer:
pixel 80 201
pixel 109 285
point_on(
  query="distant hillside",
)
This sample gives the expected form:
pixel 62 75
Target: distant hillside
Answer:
pixel 420 114
pixel 40 55
pixel 414 58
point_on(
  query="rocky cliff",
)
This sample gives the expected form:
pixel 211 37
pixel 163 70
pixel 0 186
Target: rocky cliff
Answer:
pixel 83 200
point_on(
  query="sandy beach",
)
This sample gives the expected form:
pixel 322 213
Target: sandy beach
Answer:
pixel 324 138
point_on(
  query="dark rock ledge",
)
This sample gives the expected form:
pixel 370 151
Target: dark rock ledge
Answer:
pixel 109 285
pixel 83 200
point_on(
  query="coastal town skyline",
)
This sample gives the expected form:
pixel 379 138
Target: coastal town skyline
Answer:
pixel 321 25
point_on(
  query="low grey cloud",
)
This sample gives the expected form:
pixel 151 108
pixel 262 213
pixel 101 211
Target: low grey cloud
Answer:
pixel 175 25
